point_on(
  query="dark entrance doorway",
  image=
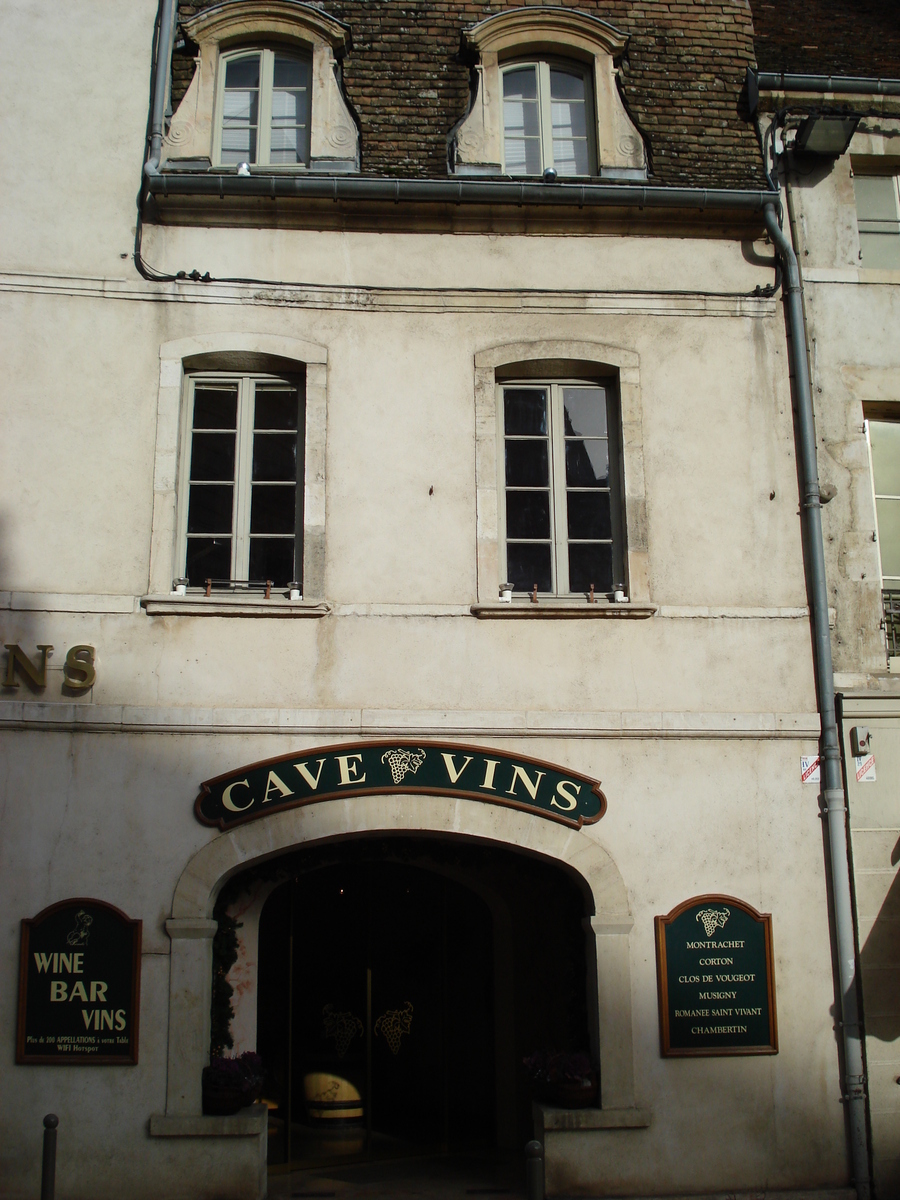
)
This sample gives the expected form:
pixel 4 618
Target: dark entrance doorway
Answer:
pixel 401 982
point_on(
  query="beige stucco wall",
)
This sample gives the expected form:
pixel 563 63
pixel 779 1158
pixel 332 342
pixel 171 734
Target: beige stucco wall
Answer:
pixel 694 718
pixel 685 817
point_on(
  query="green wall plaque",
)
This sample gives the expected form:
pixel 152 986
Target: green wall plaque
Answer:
pixel 716 979
pixel 79 985
pixel 391 768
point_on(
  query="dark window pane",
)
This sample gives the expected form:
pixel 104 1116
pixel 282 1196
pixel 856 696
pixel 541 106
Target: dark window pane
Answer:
pixel 587 463
pixel 528 514
pixel 585 410
pixel 590 565
pixel 212 456
pixel 520 84
pixel 210 507
pixel 275 409
pixel 215 408
pixel 565 85
pixel 273 509
pixel 207 558
pixel 275 456
pixel 527 565
pixel 242 72
pixel 526 464
pixel 588 515
pixel 290 72
pixel 525 412
pixel 272 558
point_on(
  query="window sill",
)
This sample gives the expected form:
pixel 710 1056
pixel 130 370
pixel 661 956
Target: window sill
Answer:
pixel 231 606
pixel 561 610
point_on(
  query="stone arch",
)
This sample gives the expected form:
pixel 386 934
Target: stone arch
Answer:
pixel 191 927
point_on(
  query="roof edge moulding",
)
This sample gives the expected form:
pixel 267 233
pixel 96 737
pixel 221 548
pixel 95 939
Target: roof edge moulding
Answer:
pixel 334 137
pixel 562 32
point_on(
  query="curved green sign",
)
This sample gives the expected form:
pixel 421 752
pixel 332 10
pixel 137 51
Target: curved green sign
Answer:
pixel 389 768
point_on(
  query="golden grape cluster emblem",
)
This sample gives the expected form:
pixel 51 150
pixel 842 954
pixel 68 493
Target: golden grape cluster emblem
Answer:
pixel 393 1024
pixel 712 919
pixel 403 762
pixel 342 1026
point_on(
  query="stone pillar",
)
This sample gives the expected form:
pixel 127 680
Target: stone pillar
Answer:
pixel 616 1044
pixel 190 997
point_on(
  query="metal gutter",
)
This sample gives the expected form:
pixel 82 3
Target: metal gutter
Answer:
pixel 454 191
pixel 832 795
pixel 782 81
pixel 168 10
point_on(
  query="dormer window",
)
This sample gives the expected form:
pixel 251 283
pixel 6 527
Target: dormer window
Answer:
pixel 547 119
pixel 546 95
pixel 264 109
pixel 266 91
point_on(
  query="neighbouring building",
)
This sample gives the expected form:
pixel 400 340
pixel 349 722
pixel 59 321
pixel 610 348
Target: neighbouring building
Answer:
pixel 839 70
pixel 408 666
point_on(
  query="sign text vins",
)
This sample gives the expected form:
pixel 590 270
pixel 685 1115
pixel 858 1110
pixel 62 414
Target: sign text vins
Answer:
pixel 368 768
pixel 79 985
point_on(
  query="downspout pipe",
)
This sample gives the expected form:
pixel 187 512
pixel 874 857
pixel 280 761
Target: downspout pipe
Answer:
pixel 164 37
pixel 832 795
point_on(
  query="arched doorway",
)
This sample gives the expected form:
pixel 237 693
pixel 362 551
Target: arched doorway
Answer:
pixel 402 980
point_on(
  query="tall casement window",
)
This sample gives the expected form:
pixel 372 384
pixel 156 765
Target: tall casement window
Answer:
pixel 241 497
pixel 547 119
pixel 263 108
pixel 878 218
pixel 561 494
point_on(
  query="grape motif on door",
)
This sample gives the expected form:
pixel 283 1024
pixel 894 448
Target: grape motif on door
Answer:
pixel 393 1024
pixel 342 1026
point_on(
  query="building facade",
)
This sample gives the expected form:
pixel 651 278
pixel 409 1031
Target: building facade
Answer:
pixel 404 598
pixel 843 220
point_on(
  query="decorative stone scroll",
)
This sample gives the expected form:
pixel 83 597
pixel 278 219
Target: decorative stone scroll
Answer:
pixel 384 768
pixel 716 979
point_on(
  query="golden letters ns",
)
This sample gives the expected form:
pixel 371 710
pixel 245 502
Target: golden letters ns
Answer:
pixel 79 672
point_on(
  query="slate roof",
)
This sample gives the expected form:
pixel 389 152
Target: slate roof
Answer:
pixel 682 79
pixel 828 37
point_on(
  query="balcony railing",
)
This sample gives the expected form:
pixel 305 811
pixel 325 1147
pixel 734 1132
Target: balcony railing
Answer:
pixel 890 600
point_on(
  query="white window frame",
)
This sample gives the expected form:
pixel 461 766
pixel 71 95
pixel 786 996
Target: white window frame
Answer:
pixel 264 114
pixel 559 564
pixel 891 582
pixel 243 468
pixel 545 109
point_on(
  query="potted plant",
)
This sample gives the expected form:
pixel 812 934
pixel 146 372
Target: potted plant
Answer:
pixel 563 1080
pixel 230 1084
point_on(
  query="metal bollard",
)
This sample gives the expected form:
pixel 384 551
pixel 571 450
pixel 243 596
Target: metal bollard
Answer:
pixel 48 1162
pixel 534 1171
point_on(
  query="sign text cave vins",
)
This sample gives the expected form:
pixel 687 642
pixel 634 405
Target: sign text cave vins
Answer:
pixel 429 768
pixel 79 985
pixel 716 979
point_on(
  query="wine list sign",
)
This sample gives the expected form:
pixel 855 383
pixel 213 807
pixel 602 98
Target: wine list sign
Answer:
pixel 716 979
pixel 79 985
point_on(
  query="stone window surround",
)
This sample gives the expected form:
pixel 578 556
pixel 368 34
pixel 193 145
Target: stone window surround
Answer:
pixel 334 137
pixel 226 351
pixel 560 32
pixel 556 358
pixel 191 929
